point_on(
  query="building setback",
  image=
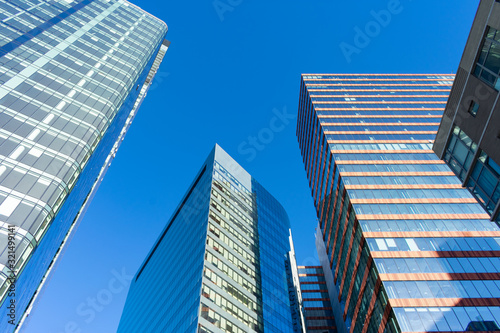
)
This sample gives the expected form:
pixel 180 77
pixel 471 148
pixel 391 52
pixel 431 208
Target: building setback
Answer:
pixel 73 74
pixel 403 246
pixel 316 300
pixel 222 263
pixel 469 135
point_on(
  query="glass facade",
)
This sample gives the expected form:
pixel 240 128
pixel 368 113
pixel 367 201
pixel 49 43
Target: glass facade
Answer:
pixel 235 274
pixel 461 155
pixel 73 74
pixel 316 301
pixel 488 65
pixel 408 249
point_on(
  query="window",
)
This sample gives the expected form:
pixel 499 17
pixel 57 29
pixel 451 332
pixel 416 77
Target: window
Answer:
pixel 488 63
pixel 484 182
pixel 473 108
pixel 460 152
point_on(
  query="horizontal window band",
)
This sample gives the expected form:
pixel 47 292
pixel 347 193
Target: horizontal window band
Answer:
pixel 343 84
pixel 343 75
pixel 381 90
pixel 344 162
pixel 421 216
pixel 388 174
pixel 355 102
pixel 304 267
pixel 438 302
pixel 315 299
pixel 377 97
pixel 449 331
pixel 358 78
pixel 379 109
pixel 438 276
pixel 377 141
pixel 413 201
pixel 319 318
pixel 379 132
pixel 312 282
pixel 429 234
pixel 311 274
pixel 342 116
pixel 379 151
pixel 401 187
pixel 318 308
pixel 315 291
pixel 435 254
pixel 380 124
pixel 311 328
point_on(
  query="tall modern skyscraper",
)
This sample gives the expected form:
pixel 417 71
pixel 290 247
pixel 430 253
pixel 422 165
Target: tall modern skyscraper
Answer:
pixel 222 263
pixel 403 246
pixel 469 135
pixel 72 76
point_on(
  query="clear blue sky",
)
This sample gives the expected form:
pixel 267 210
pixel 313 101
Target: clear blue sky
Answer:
pixel 220 82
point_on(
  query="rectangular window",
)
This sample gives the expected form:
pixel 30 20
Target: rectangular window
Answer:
pixel 473 108
pixel 488 61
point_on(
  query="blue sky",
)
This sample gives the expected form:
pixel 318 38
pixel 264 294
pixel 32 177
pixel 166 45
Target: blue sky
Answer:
pixel 227 75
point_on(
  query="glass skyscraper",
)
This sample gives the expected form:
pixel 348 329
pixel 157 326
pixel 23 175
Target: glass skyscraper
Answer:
pixel 222 263
pixel 72 76
pixel 403 246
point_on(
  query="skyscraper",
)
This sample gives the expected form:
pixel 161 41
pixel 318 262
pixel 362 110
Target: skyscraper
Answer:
pixel 469 134
pixel 403 246
pixel 73 74
pixel 222 263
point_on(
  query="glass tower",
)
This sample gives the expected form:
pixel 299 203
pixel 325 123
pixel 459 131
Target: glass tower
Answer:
pixel 403 246
pixel 72 76
pixel 222 264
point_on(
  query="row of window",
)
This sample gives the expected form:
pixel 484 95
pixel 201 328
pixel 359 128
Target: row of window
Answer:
pixel 395 180
pixel 428 225
pixel 377 106
pixel 448 319
pixel 443 289
pixel 384 136
pixel 409 194
pixel 313 286
pixel 382 146
pixel 391 111
pixel 438 265
pixel 402 119
pixel 310 270
pixel 441 208
pixel 383 156
pixel 434 244
pixel 388 97
pixel 375 77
